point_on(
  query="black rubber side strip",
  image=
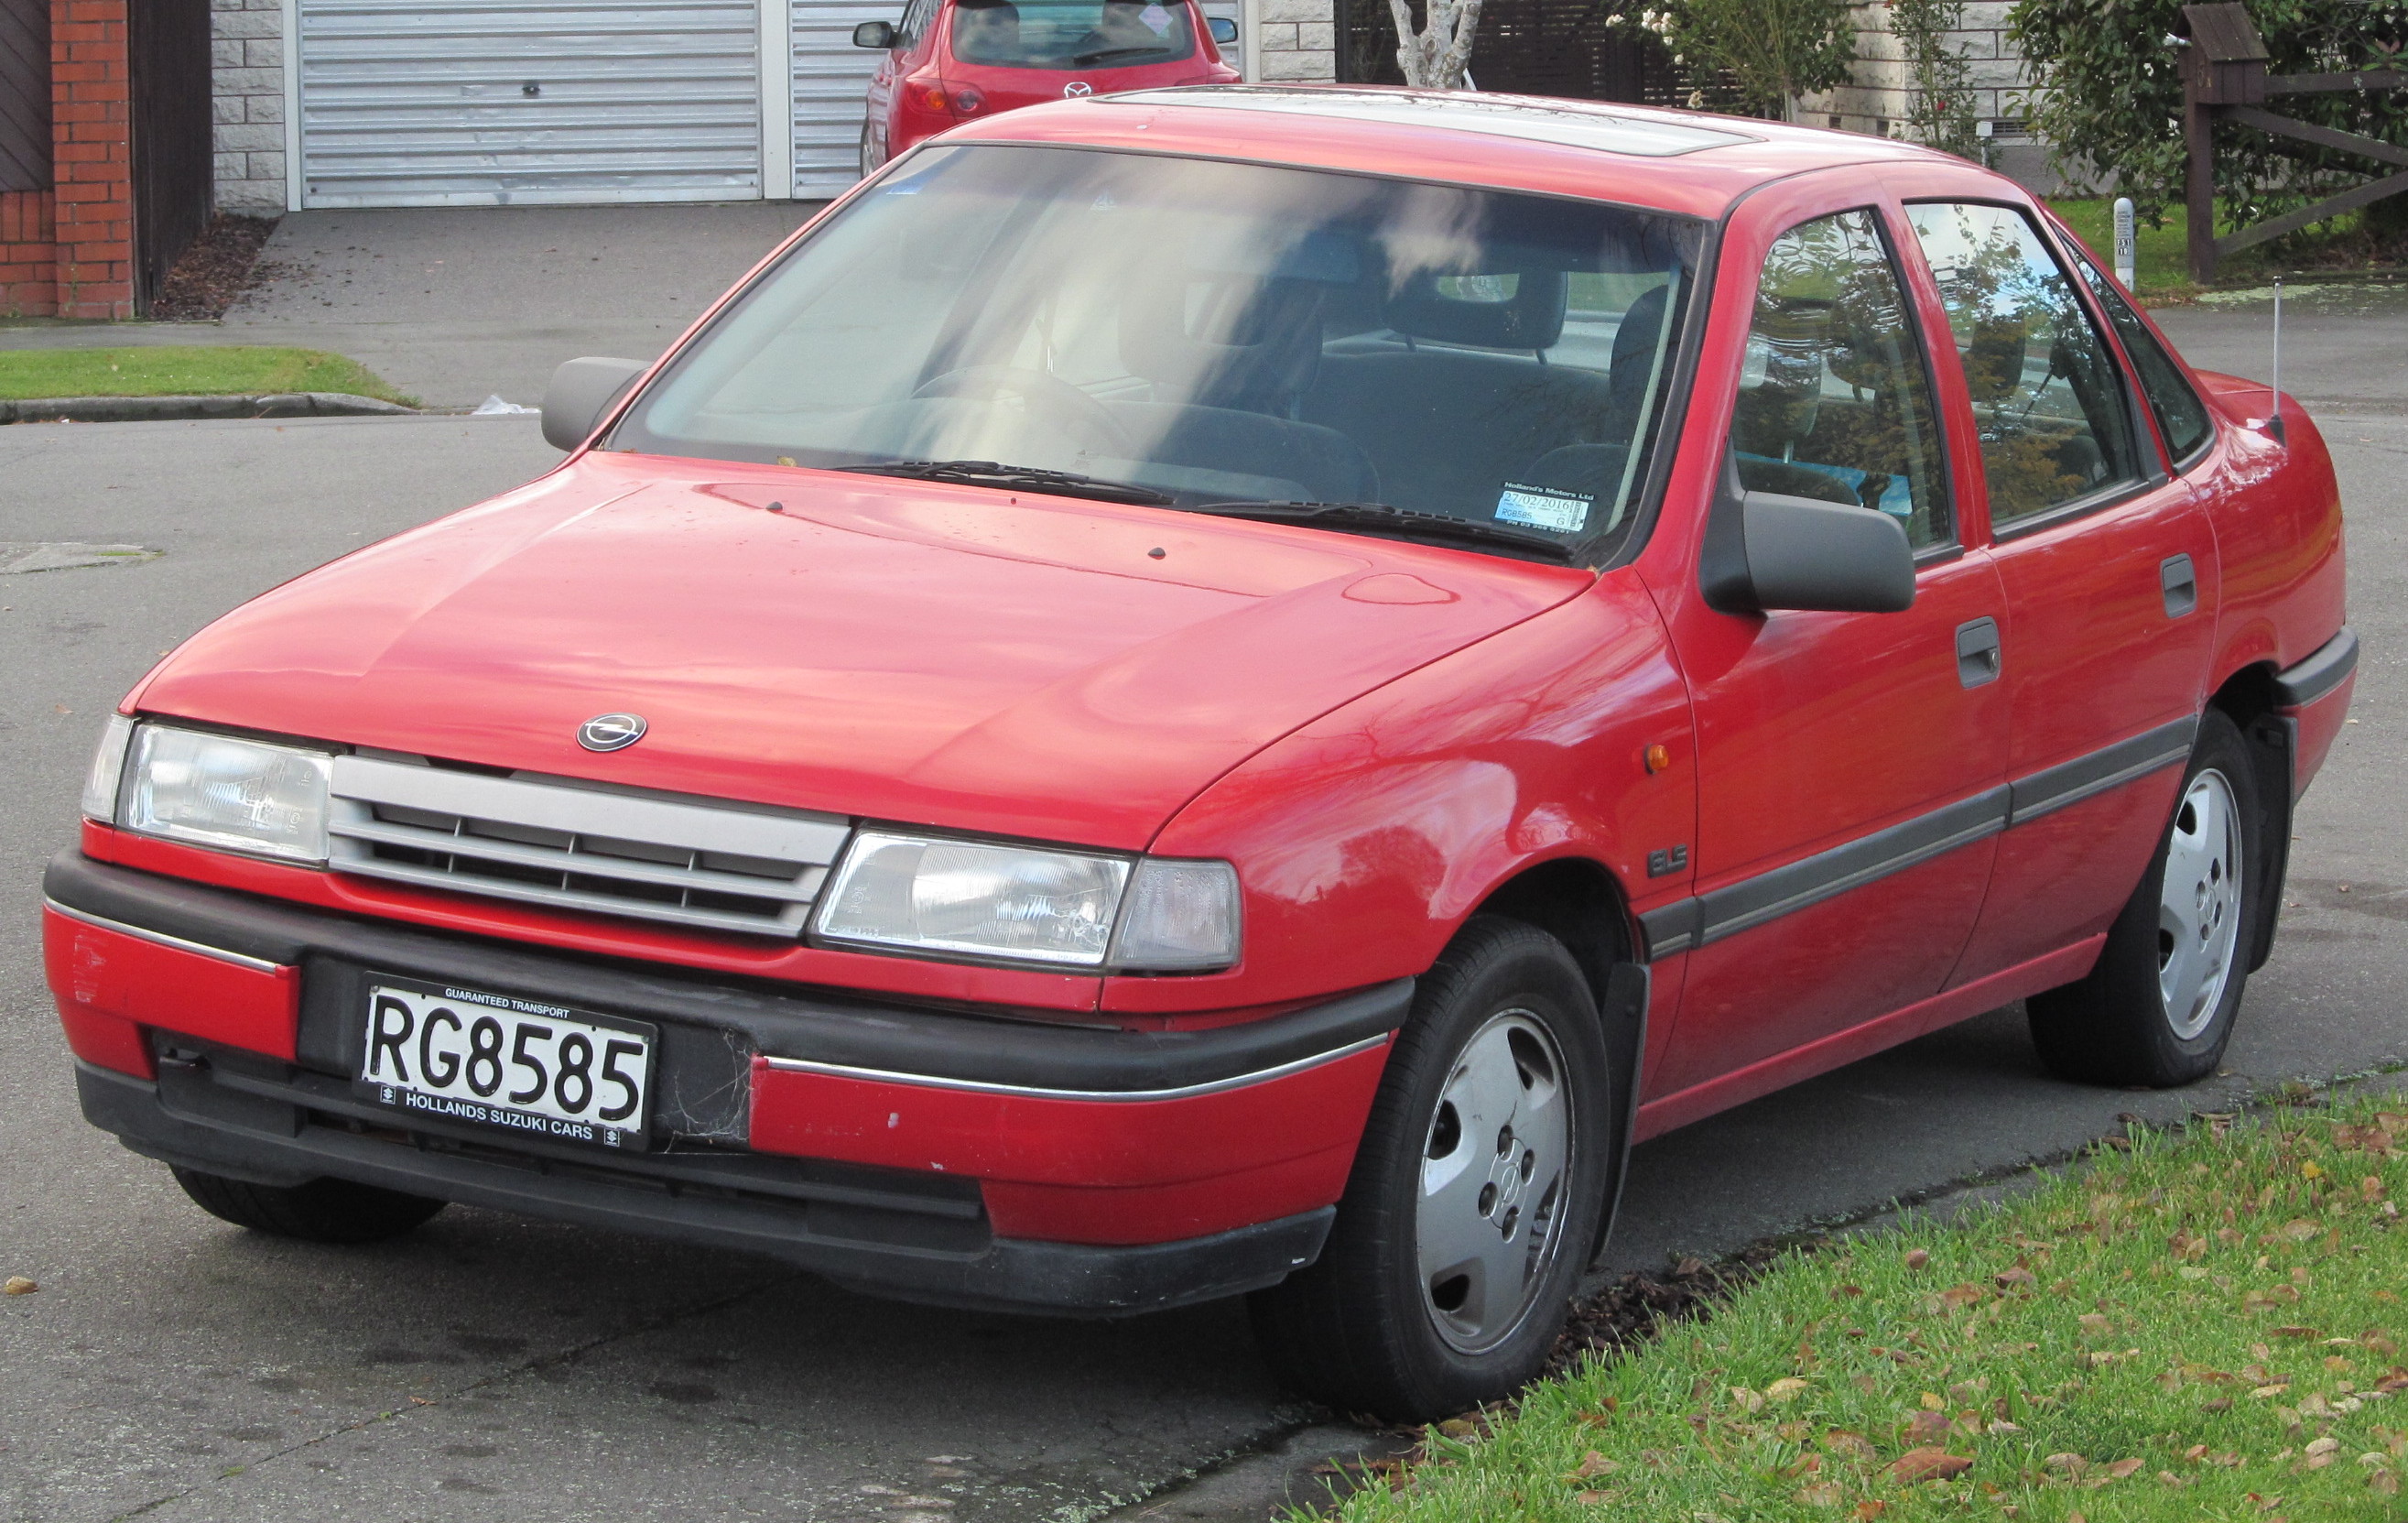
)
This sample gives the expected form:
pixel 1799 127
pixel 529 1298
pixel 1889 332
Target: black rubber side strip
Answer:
pixel 2110 767
pixel 2295 688
pixel 1671 928
pixel 820 1026
pixel 1784 890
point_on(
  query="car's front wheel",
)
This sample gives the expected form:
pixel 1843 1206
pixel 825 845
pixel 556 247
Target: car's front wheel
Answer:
pixel 320 1211
pixel 1474 1197
pixel 2158 1006
pixel 871 159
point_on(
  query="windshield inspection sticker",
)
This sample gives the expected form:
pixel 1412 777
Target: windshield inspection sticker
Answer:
pixel 1542 507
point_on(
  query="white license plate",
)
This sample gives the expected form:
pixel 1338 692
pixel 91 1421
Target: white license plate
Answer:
pixel 451 1054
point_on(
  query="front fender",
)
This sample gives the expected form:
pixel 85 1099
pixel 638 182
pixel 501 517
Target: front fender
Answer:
pixel 1365 838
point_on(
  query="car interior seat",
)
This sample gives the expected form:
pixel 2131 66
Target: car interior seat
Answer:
pixel 1227 359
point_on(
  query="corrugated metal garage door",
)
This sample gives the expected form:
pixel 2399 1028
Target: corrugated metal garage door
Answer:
pixel 831 79
pixel 490 101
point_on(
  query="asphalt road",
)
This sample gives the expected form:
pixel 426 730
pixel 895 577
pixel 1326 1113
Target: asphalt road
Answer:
pixel 181 1368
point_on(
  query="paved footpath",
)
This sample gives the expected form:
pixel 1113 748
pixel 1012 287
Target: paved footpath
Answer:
pixel 452 306
pixel 179 1368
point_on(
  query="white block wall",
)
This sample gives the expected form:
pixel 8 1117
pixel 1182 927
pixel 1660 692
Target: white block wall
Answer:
pixel 1299 40
pixel 247 54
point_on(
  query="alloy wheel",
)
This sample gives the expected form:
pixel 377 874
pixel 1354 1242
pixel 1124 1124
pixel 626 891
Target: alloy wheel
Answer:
pixel 1488 1223
pixel 2198 912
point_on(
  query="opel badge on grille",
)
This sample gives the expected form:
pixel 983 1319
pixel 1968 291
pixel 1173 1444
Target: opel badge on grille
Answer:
pixel 611 732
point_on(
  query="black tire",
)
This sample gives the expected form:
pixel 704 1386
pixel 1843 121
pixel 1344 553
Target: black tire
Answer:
pixel 871 160
pixel 2121 1026
pixel 1361 1330
pixel 321 1211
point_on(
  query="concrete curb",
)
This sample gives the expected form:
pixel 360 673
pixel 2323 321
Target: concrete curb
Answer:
pixel 168 409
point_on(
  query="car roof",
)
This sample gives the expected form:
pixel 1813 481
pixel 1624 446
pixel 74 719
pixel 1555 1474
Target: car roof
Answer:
pixel 1689 162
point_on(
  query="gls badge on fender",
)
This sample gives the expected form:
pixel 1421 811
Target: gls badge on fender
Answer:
pixel 611 732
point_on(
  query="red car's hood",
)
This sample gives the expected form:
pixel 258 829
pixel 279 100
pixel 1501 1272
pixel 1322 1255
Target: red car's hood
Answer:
pixel 943 656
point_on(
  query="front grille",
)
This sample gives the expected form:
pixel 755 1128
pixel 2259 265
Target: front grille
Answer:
pixel 581 847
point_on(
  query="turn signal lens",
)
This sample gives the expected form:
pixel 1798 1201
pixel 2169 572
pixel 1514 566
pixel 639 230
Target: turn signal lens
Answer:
pixel 108 769
pixel 934 99
pixel 1181 917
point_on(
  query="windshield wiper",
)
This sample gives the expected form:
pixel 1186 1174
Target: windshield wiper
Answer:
pixel 1405 523
pixel 1036 477
pixel 1100 54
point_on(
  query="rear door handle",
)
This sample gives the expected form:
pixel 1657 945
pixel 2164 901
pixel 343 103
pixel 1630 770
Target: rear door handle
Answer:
pixel 2180 580
pixel 1977 651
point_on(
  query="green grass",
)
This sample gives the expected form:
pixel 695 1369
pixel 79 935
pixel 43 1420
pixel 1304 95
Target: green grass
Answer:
pixel 183 371
pixel 2160 254
pixel 2200 1328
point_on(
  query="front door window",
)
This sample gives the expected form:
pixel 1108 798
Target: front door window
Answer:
pixel 2047 397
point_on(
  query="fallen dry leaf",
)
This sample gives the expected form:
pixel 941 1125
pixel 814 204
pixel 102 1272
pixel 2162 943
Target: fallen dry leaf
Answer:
pixel 1917 1257
pixel 1927 1427
pixel 1788 1388
pixel 16 1285
pixel 1839 1440
pixel 1822 1494
pixel 2093 1322
pixel 2125 1469
pixel 1868 1510
pixel 1927 1465
pixel 1592 1465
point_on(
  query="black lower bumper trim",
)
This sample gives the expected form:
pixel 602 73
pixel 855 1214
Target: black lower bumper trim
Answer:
pixel 2296 687
pixel 283 1145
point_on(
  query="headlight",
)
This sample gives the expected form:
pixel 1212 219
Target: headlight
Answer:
pixel 214 790
pixel 108 771
pixel 981 899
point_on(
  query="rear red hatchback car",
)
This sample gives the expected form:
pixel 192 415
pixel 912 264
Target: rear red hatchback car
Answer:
pixel 952 60
pixel 1233 691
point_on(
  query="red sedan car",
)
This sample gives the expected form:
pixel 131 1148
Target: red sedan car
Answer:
pixel 950 61
pixel 1234 691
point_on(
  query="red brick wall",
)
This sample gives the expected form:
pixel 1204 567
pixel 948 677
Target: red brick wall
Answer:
pixel 69 250
pixel 90 143
pixel 28 268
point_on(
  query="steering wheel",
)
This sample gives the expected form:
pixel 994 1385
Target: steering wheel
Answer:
pixel 1064 406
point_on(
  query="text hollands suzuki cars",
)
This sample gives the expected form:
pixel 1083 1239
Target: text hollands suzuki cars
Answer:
pixel 950 61
pixel 1233 691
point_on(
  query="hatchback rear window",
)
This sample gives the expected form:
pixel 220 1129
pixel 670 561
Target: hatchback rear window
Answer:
pixel 1071 33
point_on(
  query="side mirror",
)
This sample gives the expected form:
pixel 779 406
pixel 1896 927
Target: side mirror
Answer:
pixel 874 34
pixel 582 391
pixel 1223 30
pixel 1765 550
pixel 1804 553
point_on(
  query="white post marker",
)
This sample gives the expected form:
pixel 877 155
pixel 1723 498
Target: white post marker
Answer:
pixel 2126 245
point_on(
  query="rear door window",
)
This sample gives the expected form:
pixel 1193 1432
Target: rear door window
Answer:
pixel 2181 415
pixel 2048 398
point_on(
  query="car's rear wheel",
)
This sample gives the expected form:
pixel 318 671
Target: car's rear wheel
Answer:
pixel 1474 1196
pixel 2159 1006
pixel 321 1211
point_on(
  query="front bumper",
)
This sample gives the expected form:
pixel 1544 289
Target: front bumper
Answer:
pixel 929 1155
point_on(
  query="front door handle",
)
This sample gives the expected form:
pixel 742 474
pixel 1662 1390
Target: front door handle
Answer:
pixel 1977 651
pixel 2180 580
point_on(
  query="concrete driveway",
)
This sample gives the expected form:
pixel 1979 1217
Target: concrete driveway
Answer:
pixel 178 1367
pixel 452 306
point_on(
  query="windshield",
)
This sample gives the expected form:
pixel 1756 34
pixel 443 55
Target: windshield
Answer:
pixel 1209 334
pixel 1071 33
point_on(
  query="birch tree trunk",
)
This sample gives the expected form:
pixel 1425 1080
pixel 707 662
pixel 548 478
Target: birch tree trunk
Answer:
pixel 1436 56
